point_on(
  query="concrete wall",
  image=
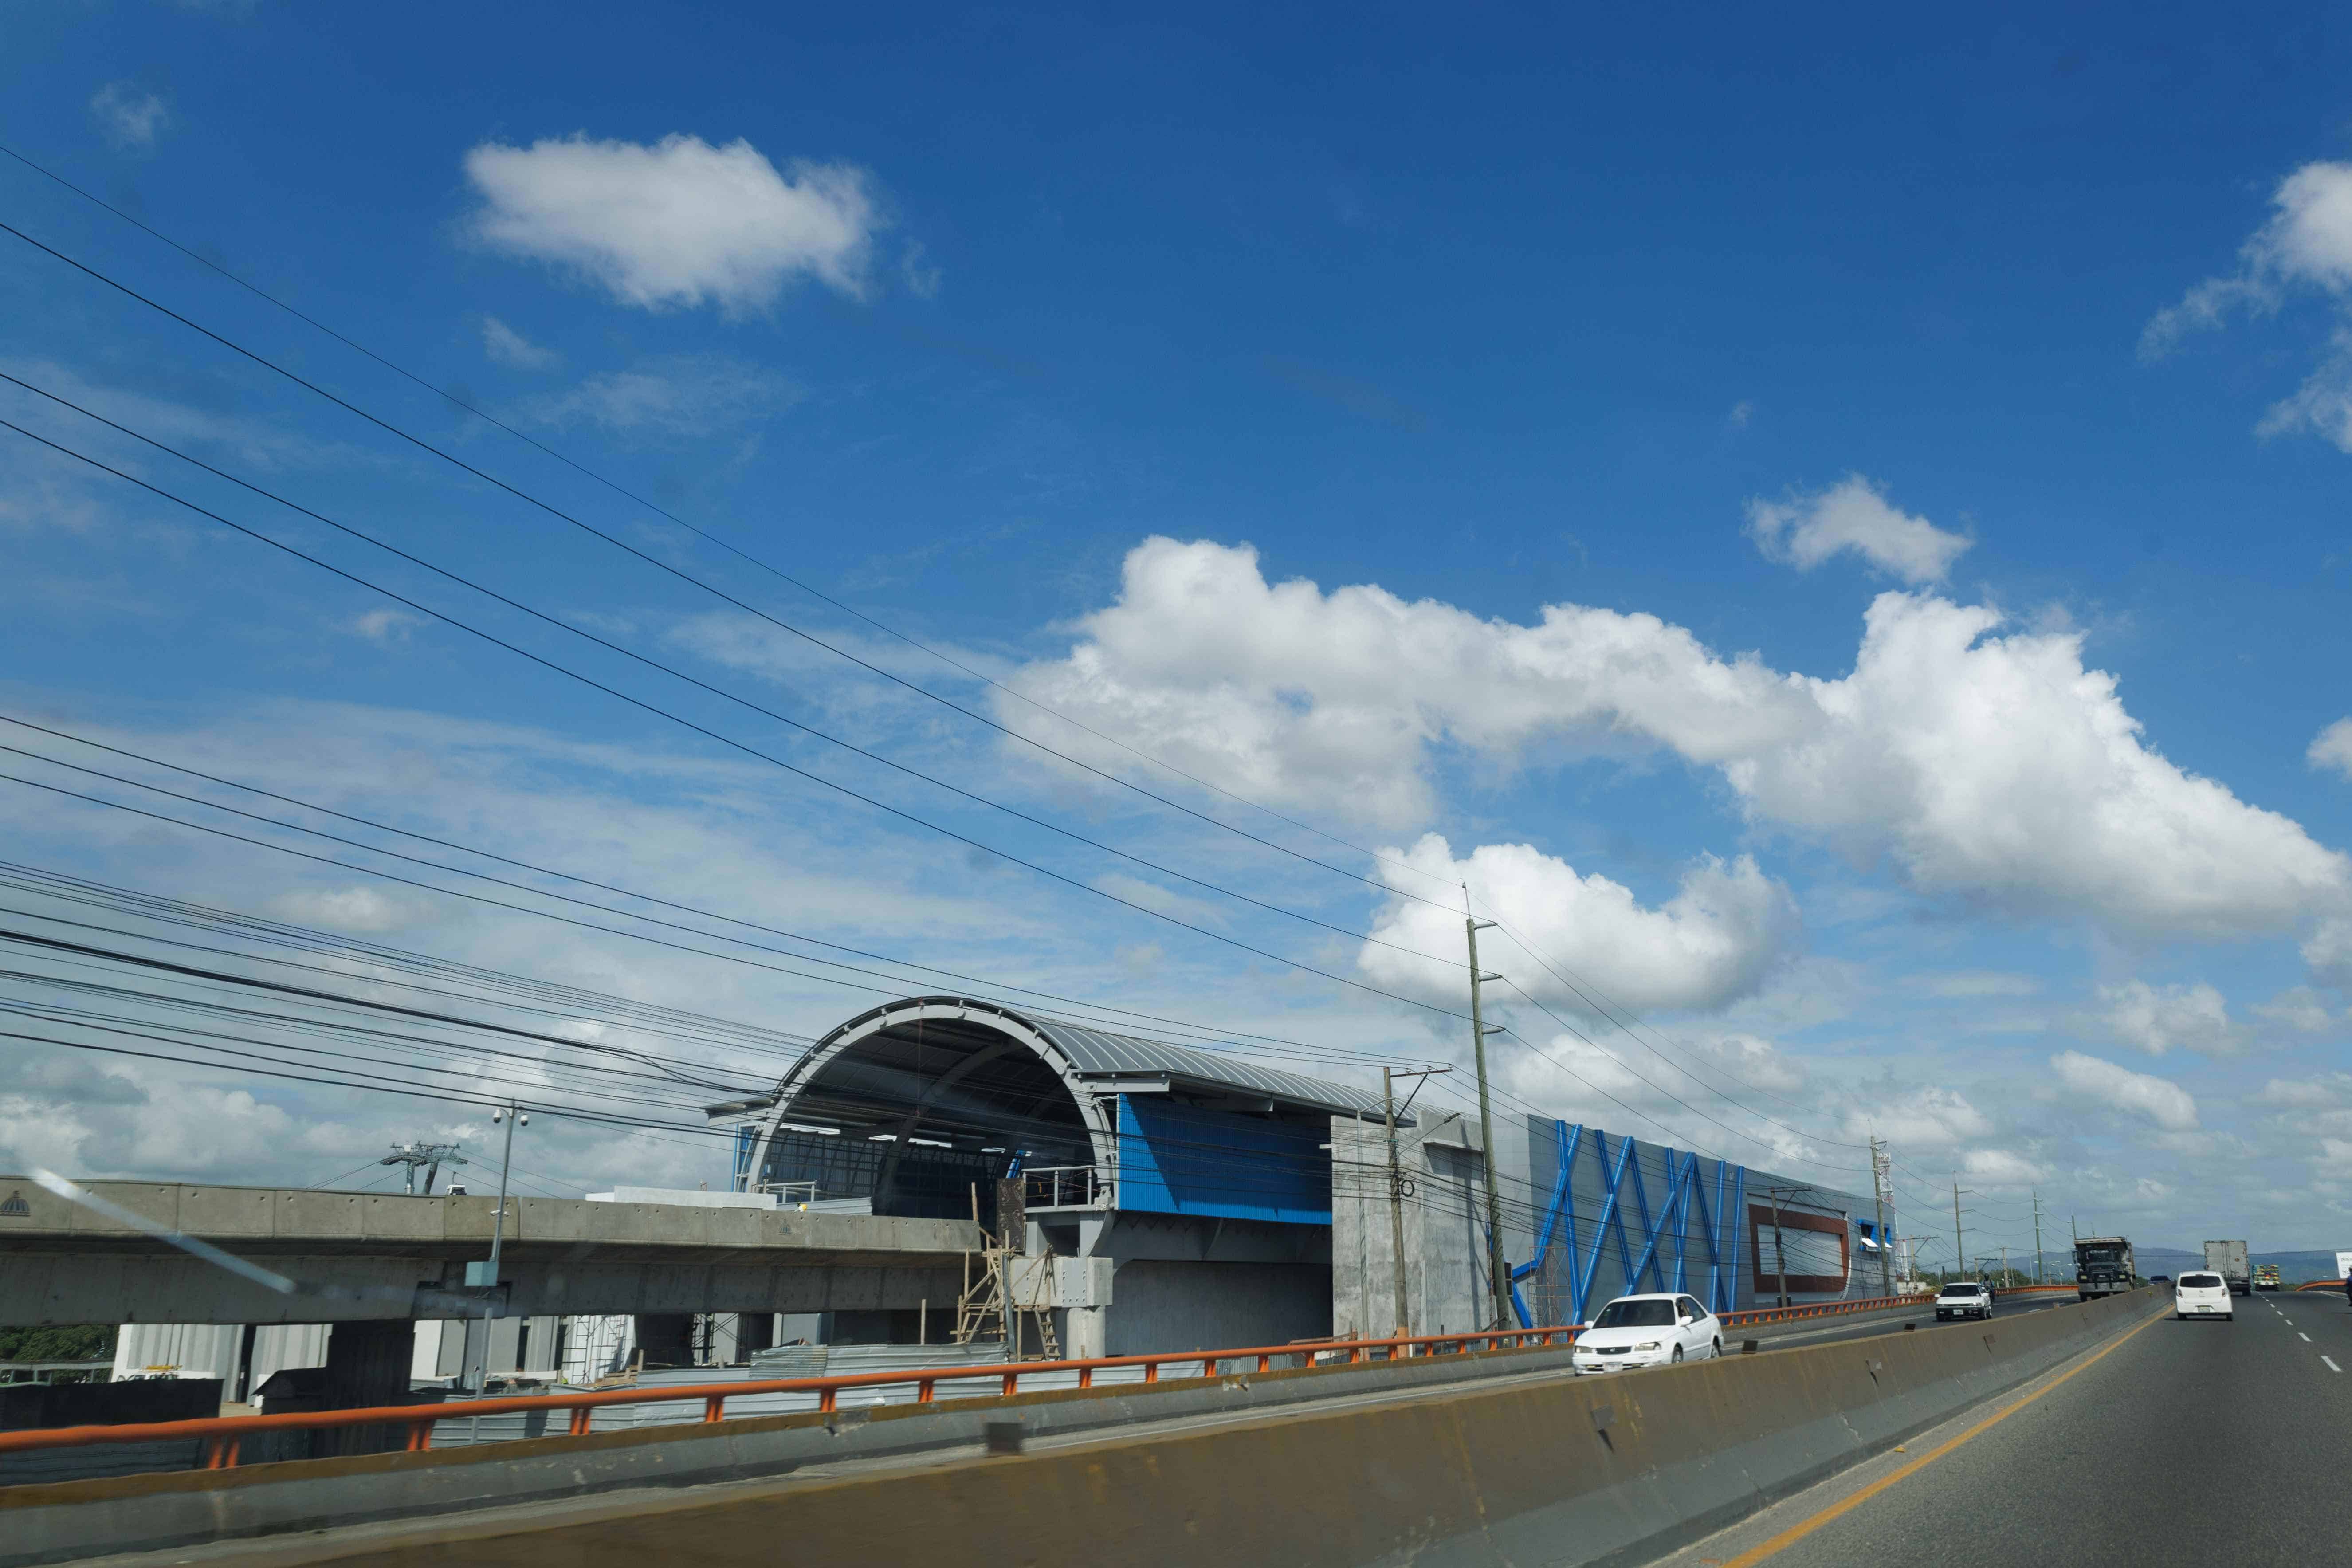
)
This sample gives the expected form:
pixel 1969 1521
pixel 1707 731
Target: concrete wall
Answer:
pixel 1164 1304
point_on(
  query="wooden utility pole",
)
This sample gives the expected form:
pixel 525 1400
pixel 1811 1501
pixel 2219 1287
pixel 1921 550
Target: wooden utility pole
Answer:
pixel 1497 1275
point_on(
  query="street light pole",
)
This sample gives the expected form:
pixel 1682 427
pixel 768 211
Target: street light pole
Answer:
pixel 512 1115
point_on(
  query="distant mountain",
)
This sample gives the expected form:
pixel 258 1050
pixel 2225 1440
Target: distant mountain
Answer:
pixel 2294 1267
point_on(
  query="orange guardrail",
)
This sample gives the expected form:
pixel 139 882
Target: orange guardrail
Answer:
pixel 222 1436
pixel 2321 1285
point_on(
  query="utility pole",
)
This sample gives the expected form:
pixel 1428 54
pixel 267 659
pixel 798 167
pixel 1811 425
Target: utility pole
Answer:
pixel 2037 1237
pixel 1496 1275
pixel 1878 1163
pixel 488 1275
pixel 1959 1258
pixel 1779 1254
pixel 432 1156
pixel 1397 1184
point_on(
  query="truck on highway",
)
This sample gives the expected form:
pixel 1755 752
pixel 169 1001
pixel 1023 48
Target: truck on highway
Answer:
pixel 2104 1267
pixel 2267 1277
pixel 2228 1258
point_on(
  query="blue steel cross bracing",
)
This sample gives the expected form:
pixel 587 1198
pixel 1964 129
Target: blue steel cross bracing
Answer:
pixel 1718 1226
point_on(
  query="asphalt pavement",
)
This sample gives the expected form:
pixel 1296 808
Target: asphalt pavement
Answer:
pixel 2173 1443
pixel 1803 1334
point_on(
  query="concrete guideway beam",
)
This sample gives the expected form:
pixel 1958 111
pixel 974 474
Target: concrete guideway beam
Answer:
pixel 392 1256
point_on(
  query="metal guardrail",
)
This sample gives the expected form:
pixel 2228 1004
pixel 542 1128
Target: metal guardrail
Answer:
pixel 222 1436
pixel 2320 1285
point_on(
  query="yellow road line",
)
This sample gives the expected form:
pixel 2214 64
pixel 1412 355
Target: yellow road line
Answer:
pixel 1803 1528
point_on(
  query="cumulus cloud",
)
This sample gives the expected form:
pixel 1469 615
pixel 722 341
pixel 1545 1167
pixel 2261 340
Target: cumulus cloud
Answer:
pixel 2157 1019
pixel 2157 1100
pixel 129 117
pixel 2305 245
pixel 667 399
pixel 509 348
pixel 2001 1168
pixel 2323 1092
pixel 1980 762
pixel 677 224
pixel 2332 748
pixel 1712 943
pixel 2299 1008
pixel 1929 1117
pixel 1853 516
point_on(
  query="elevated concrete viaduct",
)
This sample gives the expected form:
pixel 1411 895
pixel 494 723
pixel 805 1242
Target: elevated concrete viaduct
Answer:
pixel 357 1256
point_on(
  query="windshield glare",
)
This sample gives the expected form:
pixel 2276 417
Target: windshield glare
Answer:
pixel 1636 1315
pixel 2201 1281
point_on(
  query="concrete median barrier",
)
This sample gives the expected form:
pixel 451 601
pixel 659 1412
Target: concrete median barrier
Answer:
pixel 1531 1470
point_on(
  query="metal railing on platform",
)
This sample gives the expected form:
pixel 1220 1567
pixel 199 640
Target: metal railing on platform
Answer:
pixel 223 1436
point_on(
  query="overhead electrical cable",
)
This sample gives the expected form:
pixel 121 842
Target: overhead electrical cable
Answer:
pixel 727 740
pixel 650 560
pixel 722 544
pixel 562 625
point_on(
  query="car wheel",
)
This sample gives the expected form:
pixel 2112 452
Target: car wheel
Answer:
pixel 1718 1350
pixel 1678 1353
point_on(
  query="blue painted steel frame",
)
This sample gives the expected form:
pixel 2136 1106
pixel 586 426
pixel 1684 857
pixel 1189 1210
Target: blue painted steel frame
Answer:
pixel 1718 1227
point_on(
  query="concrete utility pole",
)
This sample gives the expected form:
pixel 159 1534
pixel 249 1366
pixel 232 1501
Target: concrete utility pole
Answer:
pixel 1878 1164
pixel 2037 1237
pixel 1397 1185
pixel 513 1116
pixel 1780 1253
pixel 1495 1273
pixel 1959 1257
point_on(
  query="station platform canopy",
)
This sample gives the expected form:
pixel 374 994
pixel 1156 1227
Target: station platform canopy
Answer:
pixel 921 1103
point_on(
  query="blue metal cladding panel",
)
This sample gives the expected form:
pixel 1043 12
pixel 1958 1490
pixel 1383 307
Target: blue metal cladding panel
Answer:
pixel 1623 1217
pixel 1181 1158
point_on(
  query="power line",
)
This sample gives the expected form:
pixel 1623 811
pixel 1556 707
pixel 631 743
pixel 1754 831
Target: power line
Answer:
pixel 724 739
pixel 559 624
pixel 774 571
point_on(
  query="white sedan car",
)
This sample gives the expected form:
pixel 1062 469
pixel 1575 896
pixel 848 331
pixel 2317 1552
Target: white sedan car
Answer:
pixel 2199 1295
pixel 1648 1331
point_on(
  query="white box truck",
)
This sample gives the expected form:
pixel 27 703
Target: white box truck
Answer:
pixel 2228 1258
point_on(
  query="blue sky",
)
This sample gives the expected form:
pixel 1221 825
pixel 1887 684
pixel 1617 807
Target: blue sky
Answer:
pixel 1056 341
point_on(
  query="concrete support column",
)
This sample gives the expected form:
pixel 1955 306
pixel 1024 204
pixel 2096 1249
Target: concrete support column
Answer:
pixel 1086 1332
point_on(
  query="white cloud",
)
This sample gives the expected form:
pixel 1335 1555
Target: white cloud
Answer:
pixel 2332 748
pixel 677 224
pixel 1930 1118
pixel 1741 412
pixel 671 399
pixel 2001 1168
pixel 2299 1008
pixel 2156 1018
pixel 2157 1099
pixel 2306 243
pixel 362 910
pixel 2328 1089
pixel 386 625
pixel 1709 945
pixel 1853 515
pixel 509 348
pixel 129 116
pixel 1993 768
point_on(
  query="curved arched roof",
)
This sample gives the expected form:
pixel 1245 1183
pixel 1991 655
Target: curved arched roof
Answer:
pixel 1093 1062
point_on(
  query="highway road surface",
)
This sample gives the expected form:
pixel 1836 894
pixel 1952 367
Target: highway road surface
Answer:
pixel 1801 1335
pixel 2173 1443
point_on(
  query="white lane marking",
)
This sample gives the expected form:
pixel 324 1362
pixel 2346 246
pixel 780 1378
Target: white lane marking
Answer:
pixel 2304 1337
pixel 2331 1363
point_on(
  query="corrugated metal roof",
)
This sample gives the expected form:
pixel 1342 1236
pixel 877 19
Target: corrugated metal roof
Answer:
pixel 1098 1054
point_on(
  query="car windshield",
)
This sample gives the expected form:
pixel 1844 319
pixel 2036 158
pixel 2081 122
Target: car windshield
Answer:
pixel 1631 1314
pixel 2100 1255
pixel 1960 1289
pixel 2201 1281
